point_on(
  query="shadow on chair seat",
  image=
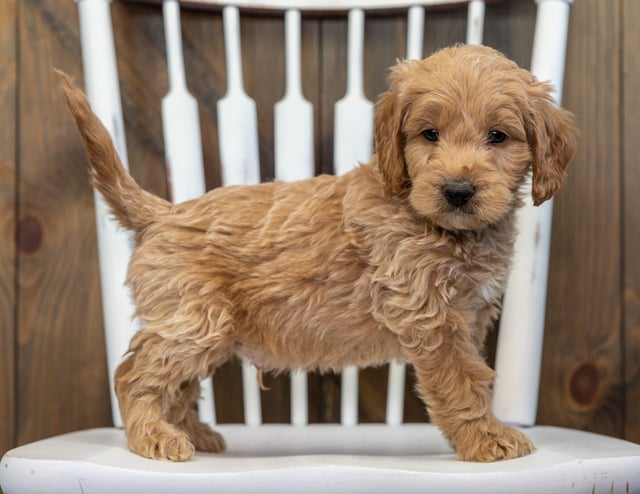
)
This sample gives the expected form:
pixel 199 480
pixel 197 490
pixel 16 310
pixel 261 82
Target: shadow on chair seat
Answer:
pixel 325 458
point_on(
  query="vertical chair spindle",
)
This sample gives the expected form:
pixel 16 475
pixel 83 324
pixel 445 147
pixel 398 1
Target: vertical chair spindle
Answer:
pixel 114 243
pixel 353 114
pixel 238 138
pixel 293 115
pixel 395 393
pixel 294 159
pixel 522 322
pixel 415 33
pixel 353 142
pixel 183 147
pixel 251 394
pixel 180 119
pixel 237 116
pixel 349 396
pixel 475 22
pixel 299 398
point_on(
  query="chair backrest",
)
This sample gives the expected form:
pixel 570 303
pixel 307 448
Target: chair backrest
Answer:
pixel 520 336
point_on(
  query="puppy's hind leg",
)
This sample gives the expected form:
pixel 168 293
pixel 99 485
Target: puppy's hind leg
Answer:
pixel 151 384
pixel 185 416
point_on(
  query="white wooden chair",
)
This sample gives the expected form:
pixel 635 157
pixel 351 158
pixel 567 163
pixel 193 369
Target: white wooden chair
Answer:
pixel 297 457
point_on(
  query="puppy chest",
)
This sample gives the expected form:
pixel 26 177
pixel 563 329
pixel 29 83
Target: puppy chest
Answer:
pixel 425 287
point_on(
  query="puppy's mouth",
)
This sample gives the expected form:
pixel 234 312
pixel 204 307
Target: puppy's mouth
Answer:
pixel 468 211
pixel 459 218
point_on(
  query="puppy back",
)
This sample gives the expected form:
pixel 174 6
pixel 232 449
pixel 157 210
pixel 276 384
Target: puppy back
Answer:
pixel 134 208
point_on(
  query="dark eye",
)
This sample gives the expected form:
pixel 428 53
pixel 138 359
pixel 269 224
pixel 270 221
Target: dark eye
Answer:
pixel 496 137
pixel 431 135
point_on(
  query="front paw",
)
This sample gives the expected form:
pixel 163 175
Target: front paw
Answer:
pixel 489 440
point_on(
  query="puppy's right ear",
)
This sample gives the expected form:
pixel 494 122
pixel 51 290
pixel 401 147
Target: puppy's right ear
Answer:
pixel 553 135
pixel 389 140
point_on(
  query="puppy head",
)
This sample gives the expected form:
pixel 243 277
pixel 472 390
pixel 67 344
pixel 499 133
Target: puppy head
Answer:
pixel 457 134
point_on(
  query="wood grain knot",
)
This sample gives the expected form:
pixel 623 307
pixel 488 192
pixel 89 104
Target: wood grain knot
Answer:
pixel 29 234
pixel 584 384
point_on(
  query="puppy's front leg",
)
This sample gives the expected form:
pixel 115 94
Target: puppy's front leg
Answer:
pixel 455 382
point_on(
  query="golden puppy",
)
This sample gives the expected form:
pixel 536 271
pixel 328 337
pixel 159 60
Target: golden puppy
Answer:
pixel 403 258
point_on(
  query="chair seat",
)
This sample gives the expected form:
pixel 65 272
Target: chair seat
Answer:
pixel 323 458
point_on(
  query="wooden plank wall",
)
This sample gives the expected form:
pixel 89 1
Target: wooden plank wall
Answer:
pixel 630 260
pixel 8 159
pixel 61 372
pixel 583 364
pixel 52 365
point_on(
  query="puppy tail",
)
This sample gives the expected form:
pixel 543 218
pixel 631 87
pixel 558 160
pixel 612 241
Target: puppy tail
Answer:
pixel 134 208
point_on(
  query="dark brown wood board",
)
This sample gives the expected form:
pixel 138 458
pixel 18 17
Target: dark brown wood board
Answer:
pixel 630 260
pixel 582 369
pixel 8 160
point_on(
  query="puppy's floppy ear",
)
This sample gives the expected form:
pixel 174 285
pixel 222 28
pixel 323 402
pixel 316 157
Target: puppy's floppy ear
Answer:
pixel 552 136
pixel 388 135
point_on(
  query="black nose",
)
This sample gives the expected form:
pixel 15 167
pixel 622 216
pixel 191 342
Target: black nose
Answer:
pixel 458 192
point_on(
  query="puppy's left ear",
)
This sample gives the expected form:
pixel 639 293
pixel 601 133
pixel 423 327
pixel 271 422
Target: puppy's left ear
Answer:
pixel 552 136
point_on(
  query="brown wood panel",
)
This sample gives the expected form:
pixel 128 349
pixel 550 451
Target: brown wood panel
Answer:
pixel 61 379
pixel 7 221
pixel 581 373
pixel 509 27
pixel 631 217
